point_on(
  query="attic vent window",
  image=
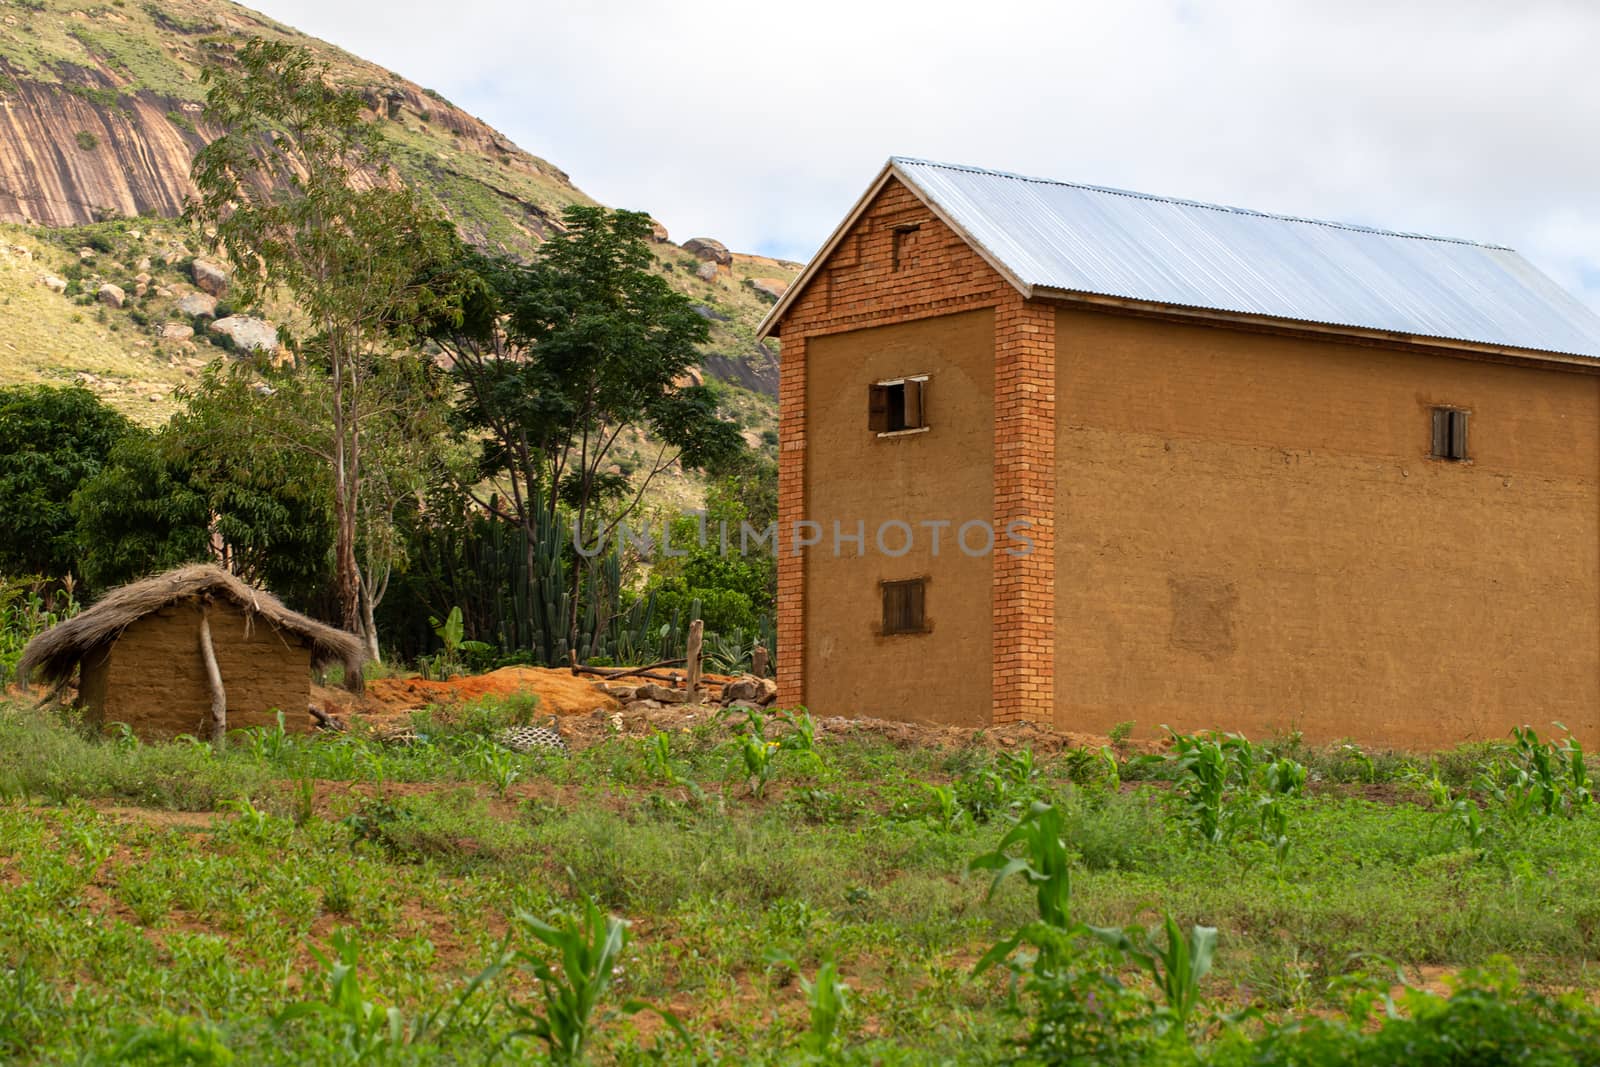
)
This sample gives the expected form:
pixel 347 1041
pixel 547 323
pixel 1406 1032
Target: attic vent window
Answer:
pixel 1449 434
pixel 901 238
pixel 902 607
pixel 899 405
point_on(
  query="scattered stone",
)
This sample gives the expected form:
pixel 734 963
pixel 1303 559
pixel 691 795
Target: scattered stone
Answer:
pixel 662 694
pixel 144 264
pixel 706 272
pixel 21 253
pixel 247 333
pixel 769 691
pixel 155 398
pixel 86 254
pixel 770 287
pixel 708 249
pixel 746 690
pixel 137 235
pixel 176 331
pixel 197 304
pixel 210 277
pixel 710 314
pixel 53 283
pixel 624 693
pixel 142 278
pixel 112 295
pixel 163 291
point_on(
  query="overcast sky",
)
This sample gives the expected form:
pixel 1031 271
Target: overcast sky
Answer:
pixel 760 123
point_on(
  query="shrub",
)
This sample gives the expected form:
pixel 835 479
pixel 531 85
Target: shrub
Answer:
pixel 86 140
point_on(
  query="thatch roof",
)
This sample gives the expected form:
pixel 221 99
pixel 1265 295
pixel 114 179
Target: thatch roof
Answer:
pixel 55 654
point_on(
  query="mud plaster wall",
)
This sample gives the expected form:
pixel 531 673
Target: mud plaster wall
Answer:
pixel 855 476
pixel 1251 536
pixel 155 681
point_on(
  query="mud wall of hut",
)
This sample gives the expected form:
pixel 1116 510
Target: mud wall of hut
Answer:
pixel 154 680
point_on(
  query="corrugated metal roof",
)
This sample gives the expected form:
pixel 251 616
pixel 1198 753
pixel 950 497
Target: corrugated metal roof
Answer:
pixel 1085 239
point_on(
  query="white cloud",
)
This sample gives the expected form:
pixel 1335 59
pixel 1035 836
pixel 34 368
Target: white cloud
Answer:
pixel 759 124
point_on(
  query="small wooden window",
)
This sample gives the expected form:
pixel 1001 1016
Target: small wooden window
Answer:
pixel 897 406
pixel 1449 434
pixel 902 607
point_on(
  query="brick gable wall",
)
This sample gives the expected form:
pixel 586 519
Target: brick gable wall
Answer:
pixel 900 263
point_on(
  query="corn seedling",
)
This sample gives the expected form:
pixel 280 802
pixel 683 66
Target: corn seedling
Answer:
pixel 1176 965
pixel 828 1000
pixel 587 949
pixel 364 1028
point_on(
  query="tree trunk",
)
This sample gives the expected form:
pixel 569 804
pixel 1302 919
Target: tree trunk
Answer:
pixel 369 624
pixel 219 699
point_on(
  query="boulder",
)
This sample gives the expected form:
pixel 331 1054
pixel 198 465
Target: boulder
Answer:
pixel 195 304
pixel 662 694
pixel 210 277
pixel 706 272
pixel 769 691
pixel 112 296
pixel 53 283
pixel 771 287
pixel 708 249
pixel 247 333
pixel 176 331
pixel 658 232
pixel 742 690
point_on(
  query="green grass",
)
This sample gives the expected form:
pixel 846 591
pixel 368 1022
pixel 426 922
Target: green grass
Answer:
pixel 126 920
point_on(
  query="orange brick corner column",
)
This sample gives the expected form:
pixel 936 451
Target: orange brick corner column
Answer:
pixel 790 607
pixel 1024 492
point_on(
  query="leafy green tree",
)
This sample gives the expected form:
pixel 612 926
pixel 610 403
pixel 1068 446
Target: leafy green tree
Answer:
pixel 202 490
pixel 299 194
pixel 51 441
pixel 559 358
pixel 139 514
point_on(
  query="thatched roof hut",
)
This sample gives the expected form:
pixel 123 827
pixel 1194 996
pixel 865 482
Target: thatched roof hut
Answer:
pixel 166 653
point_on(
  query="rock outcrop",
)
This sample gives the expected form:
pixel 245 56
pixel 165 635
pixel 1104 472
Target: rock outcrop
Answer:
pixel 197 305
pixel 773 288
pixel 88 134
pixel 710 250
pixel 247 334
pixel 209 277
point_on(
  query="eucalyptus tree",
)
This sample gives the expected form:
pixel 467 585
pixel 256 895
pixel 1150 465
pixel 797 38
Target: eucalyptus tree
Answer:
pixel 299 194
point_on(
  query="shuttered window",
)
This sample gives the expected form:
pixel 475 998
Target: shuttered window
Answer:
pixel 1449 434
pixel 897 406
pixel 902 606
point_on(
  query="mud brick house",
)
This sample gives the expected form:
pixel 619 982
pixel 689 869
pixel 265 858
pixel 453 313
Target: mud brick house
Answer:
pixel 1270 473
pixel 139 658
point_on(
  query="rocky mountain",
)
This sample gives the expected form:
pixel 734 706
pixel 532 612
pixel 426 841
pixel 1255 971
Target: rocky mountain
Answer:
pixel 100 116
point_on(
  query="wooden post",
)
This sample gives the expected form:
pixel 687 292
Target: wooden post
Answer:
pixel 219 699
pixel 692 666
pixel 758 661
